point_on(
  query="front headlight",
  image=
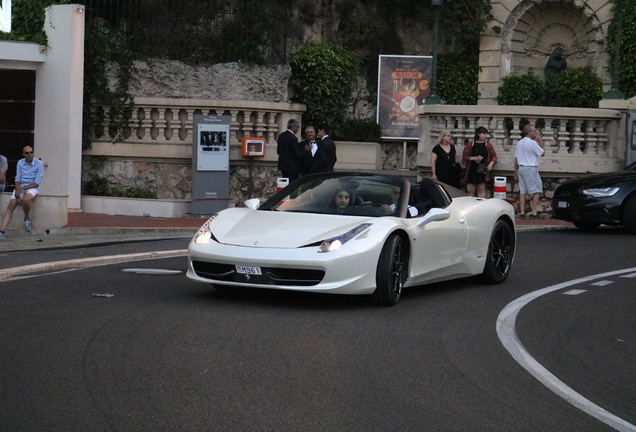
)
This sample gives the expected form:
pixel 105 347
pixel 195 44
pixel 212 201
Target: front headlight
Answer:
pixel 600 192
pixel 205 235
pixel 335 243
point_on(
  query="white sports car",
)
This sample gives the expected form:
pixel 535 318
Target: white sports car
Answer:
pixel 352 233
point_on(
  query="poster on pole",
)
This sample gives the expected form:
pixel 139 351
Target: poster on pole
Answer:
pixel 403 83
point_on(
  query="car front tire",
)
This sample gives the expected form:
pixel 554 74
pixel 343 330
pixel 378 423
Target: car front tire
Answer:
pixel 391 272
pixel 501 251
pixel 629 215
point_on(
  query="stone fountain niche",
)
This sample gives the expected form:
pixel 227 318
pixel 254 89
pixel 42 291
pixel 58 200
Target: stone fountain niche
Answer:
pixel 523 36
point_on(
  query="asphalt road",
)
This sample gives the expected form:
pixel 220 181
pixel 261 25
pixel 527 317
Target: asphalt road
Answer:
pixel 165 353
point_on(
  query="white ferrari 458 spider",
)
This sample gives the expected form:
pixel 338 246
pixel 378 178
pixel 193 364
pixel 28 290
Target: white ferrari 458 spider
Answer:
pixel 352 233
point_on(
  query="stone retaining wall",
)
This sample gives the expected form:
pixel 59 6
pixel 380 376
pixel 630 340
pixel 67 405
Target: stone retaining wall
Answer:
pixel 172 178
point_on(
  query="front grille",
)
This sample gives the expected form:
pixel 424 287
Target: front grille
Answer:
pixel 566 194
pixel 271 275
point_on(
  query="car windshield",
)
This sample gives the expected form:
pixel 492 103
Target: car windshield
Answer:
pixel 353 195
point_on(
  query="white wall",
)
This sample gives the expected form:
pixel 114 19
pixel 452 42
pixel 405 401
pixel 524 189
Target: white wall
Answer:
pixel 58 103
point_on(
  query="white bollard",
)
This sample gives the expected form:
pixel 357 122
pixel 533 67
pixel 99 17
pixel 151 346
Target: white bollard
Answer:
pixel 500 188
pixel 281 183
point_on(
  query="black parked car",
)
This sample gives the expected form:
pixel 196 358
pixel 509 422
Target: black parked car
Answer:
pixel 592 200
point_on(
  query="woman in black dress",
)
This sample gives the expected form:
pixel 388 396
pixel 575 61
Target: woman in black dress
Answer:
pixel 444 166
pixel 479 156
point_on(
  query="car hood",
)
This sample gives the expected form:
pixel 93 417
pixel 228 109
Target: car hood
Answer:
pixel 272 229
pixel 600 180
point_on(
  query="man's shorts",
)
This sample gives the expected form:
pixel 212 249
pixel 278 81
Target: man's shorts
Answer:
pixel 33 191
pixel 529 180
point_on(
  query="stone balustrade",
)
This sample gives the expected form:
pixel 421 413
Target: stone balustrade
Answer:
pixel 577 140
pixel 167 124
pixel 156 151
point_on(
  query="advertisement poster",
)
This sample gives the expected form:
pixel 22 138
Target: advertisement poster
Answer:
pixel 213 147
pixel 403 83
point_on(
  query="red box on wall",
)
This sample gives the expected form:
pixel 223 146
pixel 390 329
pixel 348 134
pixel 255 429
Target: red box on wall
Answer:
pixel 253 146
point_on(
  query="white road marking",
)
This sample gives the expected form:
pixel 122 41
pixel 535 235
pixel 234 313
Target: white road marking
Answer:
pixel 602 283
pixel 574 292
pixel 507 333
pixel 632 275
pixel 154 271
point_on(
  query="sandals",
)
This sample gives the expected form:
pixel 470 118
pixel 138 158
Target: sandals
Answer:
pixel 535 216
pixel 521 215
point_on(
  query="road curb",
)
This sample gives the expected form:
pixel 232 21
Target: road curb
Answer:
pixel 100 231
pixel 88 262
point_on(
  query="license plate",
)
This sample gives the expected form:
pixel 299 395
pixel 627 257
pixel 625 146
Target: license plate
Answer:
pixel 248 270
pixel 563 204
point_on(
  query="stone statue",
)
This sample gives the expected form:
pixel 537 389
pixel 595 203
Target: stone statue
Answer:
pixel 556 64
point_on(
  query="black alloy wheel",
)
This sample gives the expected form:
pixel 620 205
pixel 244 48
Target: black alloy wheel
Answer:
pixel 391 272
pixel 501 252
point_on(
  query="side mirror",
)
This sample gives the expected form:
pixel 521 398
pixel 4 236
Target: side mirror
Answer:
pixel 435 214
pixel 253 203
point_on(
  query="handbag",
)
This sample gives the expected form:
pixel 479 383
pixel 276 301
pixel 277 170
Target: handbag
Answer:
pixel 482 168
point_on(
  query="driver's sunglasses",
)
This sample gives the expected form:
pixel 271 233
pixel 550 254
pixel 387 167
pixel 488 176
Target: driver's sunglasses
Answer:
pixel 27 152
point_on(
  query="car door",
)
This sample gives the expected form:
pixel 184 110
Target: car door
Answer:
pixel 437 247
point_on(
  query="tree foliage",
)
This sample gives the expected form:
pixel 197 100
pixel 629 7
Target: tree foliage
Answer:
pixel 324 76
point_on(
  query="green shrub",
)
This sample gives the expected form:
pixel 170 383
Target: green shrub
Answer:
pixel 97 186
pixel 457 79
pixel 324 76
pixel 576 88
pixel 525 89
pixel 358 130
pixel 134 192
pixel 28 20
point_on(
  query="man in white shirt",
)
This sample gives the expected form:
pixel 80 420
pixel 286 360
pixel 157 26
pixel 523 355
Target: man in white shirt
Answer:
pixel 526 169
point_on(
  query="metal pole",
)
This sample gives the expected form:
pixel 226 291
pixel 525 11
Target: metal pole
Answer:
pixel 433 99
pixel 404 156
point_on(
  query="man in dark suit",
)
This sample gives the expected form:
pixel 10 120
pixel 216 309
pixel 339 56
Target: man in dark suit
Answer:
pixel 309 147
pixel 289 153
pixel 325 157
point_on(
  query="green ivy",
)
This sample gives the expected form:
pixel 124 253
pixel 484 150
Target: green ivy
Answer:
pixel 28 20
pixel 323 77
pixel 102 47
pixel 576 88
pixel 627 68
pixel 457 81
pixel 525 89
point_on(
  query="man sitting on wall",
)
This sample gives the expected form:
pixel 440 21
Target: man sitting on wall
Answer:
pixel 28 178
